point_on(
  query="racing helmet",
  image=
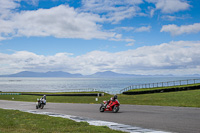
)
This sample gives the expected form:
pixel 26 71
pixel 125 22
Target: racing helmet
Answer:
pixel 115 96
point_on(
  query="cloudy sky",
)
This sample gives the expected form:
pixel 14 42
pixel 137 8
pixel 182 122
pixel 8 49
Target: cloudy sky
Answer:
pixel 88 36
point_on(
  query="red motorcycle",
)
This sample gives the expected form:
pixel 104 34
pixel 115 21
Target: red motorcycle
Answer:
pixel 111 106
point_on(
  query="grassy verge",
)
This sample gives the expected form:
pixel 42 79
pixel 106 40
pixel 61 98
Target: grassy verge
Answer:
pixel 181 99
pixel 158 88
pixel 57 99
pixel 60 92
pixel 13 121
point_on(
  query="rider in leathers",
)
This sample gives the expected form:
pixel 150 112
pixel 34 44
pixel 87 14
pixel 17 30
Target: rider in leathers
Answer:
pixel 111 99
pixel 43 100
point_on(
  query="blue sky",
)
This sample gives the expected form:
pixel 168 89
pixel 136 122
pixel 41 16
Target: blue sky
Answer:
pixel 88 36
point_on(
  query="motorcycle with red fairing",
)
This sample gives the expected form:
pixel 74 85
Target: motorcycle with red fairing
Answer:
pixel 113 106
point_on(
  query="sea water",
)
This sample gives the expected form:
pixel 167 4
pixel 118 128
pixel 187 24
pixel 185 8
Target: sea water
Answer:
pixel 109 85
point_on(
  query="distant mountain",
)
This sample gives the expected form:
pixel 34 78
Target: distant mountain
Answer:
pixel 38 74
pixel 111 74
pixel 66 74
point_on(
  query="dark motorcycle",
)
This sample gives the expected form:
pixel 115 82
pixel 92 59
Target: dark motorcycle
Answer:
pixel 40 104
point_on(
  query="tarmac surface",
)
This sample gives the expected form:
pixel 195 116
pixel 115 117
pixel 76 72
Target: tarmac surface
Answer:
pixel 162 118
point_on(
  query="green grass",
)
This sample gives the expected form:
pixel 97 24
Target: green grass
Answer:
pixel 60 92
pixel 57 99
pixel 180 99
pixel 158 88
pixel 13 121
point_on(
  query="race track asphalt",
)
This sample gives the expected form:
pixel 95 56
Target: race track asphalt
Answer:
pixel 171 119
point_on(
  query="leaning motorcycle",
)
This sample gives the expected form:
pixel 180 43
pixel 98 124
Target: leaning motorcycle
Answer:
pixel 112 106
pixel 40 104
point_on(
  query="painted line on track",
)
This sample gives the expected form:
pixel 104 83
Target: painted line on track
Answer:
pixel 111 125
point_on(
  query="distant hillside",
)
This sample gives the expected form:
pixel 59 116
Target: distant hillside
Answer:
pixel 111 74
pixel 38 74
pixel 66 74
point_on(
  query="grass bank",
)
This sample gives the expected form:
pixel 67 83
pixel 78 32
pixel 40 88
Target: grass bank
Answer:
pixel 158 88
pixel 189 98
pixel 57 99
pixel 179 99
pixel 13 121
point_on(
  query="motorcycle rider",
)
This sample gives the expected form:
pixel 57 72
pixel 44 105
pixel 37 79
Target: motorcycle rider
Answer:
pixel 111 99
pixel 43 99
pixel 44 96
pixel 115 97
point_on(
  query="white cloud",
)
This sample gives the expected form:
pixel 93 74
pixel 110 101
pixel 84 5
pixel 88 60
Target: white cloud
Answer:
pixel 139 29
pixel 6 6
pixel 169 6
pixel 61 22
pixel 130 44
pixel 180 58
pixel 143 29
pixel 32 2
pixel 173 18
pixel 113 10
pixel 123 29
pixel 176 30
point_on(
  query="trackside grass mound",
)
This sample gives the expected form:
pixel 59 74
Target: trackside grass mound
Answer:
pixel 57 99
pixel 159 88
pixel 13 121
pixel 188 98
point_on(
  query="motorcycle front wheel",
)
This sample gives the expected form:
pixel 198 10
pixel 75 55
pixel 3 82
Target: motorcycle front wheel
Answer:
pixel 115 109
pixel 42 106
pixel 101 109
